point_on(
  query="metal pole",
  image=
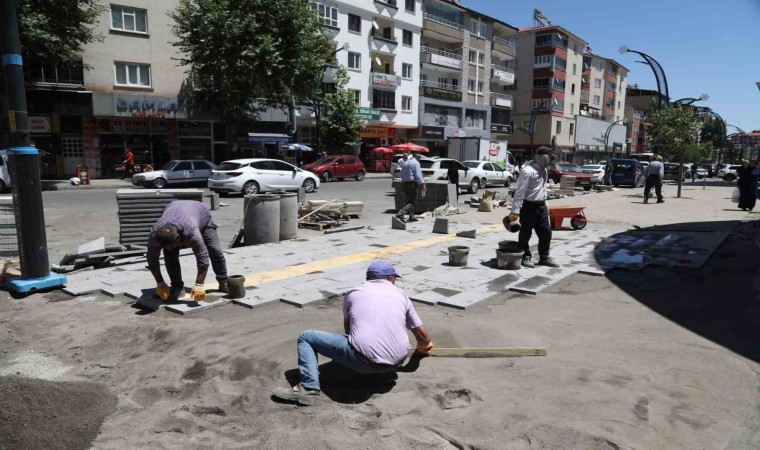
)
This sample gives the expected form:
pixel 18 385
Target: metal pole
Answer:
pixel 24 163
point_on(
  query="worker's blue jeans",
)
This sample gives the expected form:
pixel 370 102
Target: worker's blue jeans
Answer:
pixel 334 346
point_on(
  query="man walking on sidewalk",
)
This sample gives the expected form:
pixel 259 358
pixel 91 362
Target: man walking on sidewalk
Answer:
pixel 185 223
pixel 655 174
pixel 376 316
pixel 529 205
pixel 411 178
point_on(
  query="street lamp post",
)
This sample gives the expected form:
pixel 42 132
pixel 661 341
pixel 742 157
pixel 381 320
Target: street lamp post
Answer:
pixel 687 101
pixel 606 135
pixel 659 74
pixel 531 129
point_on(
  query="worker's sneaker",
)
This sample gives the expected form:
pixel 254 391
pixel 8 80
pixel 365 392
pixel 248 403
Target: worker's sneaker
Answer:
pixel 526 262
pixel 548 262
pixel 175 293
pixel 223 286
pixel 660 201
pixel 298 394
pixel 413 219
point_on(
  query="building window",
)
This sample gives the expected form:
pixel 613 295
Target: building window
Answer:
pixel 597 82
pixel 541 103
pixel 572 110
pixel 572 89
pixel 406 37
pixel 383 99
pixel 480 87
pixel 410 5
pixel 575 68
pixel 560 63
pixel 478 27
pixel 559 85
pixel 575 49
pixel 406 71
pixel 72 147
pixel 544 60
pixel 611 86
pixel 597 99
pixel 442 116
pixel 571 129
pixel 406 103
pixel 327 14
pixel 357 95
pixel 470 85
pixel 618 104
pixel 476 55
pixel 559 127
pixel 129 19
pixel 543 40
pixel 475 119
pixel 501 116
pixel 354 60
pixel 354 23
pixel 599 66
pixel 128 74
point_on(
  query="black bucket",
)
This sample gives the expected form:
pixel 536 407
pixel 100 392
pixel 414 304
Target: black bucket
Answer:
pixel 236 286
pixel 458 255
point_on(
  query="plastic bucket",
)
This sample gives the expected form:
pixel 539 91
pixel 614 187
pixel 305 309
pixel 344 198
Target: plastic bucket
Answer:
pixel 508 260
pixel 236 286
pixel 509 246
pixel 458 255
pixel 512 227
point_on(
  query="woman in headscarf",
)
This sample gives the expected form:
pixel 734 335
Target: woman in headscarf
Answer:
pixel 747 183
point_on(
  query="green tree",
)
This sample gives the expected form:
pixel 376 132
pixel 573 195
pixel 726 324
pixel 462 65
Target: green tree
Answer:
pixel 673 129
pixel 242 56
pixel 713 131
pixel 340 122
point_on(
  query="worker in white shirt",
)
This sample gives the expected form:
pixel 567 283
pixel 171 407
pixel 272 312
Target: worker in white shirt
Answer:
pixel 529 205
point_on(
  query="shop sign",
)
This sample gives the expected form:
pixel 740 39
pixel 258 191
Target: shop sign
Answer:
pixel 444 94
pixel 147 106
pixel 374 132
pixel 501 129
pixel 458 133
pixel 445 61
pixel 386 79
pixel 368 113
pixel 432 132
pixel 502 75
pixel 39 124
pixel 581 147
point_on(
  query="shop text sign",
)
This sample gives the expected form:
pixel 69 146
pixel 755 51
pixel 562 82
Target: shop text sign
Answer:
pixel 147 106
pixel 432 132
pixel 368 113
pixel 39 124
pixel 374 132
pixel 444 94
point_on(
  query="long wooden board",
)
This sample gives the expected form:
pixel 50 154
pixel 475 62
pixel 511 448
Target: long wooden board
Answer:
pixel 486 352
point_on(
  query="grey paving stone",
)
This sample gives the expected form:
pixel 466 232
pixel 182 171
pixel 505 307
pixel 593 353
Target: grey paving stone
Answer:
pixel 397 224
pixel 441 225
pixel 302 299
pixel 191 307
pixel 434 296
pixel 467 234
pixel 465 300
pixel 96 246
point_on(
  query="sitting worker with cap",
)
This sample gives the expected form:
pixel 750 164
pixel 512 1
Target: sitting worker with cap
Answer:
pixel 376 316
pixel 183 224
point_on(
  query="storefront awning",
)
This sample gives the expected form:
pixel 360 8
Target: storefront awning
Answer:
pixel 268 137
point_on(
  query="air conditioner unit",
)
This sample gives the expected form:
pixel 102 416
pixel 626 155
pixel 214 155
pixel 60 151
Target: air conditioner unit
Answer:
pixel 383 142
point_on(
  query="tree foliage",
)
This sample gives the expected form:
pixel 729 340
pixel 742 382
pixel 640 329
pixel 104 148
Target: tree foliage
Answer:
pixel 244 55
pixel 672 130
pixel 340 122
pixel 713 131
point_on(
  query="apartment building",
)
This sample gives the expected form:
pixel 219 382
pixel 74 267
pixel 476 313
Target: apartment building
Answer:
pixel 466 61
pixel 637 140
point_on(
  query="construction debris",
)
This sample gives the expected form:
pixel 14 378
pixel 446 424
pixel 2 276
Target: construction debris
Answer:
pixel 96 254
pixel 321 214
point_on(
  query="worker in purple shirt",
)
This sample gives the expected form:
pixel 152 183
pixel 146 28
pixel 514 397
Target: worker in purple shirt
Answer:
pixel 183 224
pixel 376 316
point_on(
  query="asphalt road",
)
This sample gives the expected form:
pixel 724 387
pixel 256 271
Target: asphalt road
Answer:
pixel 74 217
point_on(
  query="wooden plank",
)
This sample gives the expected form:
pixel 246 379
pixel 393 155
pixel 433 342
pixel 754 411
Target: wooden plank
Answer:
pixel 339 230
pixel 486 352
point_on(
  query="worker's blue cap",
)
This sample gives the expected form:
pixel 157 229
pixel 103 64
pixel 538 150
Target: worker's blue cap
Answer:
pixel 381 269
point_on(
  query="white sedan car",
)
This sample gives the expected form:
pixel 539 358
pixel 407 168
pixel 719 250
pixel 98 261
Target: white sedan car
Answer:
pixel 437 170
pixel 597 170
pixel 257 175
pixel 490 173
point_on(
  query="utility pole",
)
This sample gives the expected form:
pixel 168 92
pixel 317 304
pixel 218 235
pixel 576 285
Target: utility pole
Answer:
pixel 24 163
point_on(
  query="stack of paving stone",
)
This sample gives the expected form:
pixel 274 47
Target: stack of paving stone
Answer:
pixel 436 194
pixel 567 185
pixel 8 236
pixel 139 209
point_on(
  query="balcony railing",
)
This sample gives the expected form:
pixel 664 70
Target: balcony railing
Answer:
pixel 511 43
pixel 389 40
pixel 437 85
pixel 501 73
pixel 52 75
pixel 442 21
pixel 584 97
pixel 426 49
pixel 391 3
pixel 503 100
pixel 386 79
pixel 441 58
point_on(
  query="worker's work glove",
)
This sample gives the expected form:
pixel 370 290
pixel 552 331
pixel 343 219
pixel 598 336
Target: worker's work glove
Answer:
pixel 198 293
pixel 162 291
pixel 513 217
pixel 424 350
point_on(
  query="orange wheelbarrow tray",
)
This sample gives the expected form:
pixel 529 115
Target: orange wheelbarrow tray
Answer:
pixel 557 215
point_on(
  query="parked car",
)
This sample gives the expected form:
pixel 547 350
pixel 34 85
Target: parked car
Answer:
pixel 490 173
pixel 257 175
pixel 584 180
pixel 436 170
pixel 629 172
pixel 701 171
pixel 728 173
pixel 177 172
pixel 671 172
pixel 708 168
pixel 597 170
pixel 338 167
pixel 395 166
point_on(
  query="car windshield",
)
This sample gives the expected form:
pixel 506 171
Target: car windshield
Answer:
pixel 325 160
pixel 169 165
pixel 622 166
pixel 591 167
pixel 567 167
pixel 733 167
pixel 427 163
pixel 229 166
pixel 471 164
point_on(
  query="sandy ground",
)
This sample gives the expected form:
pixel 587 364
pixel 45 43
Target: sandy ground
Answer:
pixel 664 358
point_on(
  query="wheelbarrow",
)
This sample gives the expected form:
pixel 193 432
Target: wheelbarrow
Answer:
pixel 557 214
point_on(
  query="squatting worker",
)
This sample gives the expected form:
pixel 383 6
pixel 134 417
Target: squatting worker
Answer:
pixel 655 174
pixel 529 205
pixel 411 179
pixel 183 224
pixel 376 316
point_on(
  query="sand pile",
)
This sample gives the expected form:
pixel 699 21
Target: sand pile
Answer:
pixel 37 414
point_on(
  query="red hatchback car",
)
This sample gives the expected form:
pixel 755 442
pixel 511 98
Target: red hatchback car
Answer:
pixel 340 167
pixel 584 180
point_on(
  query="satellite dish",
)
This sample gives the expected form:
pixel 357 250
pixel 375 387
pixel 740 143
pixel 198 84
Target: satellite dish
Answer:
pixel 375 25
pixel 377 61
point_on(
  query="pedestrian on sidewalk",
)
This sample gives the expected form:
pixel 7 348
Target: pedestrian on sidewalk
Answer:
pixel 747 176
pixel 376 316
pixel 529 205
pixel 453 175
pixel 411 179
pixel 655 174
pixel 183 224
pixel 693 170
pixel 129 163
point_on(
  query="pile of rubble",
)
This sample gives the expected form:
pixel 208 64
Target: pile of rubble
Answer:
pixel 321 214
pixel 97 254
pixel 491 200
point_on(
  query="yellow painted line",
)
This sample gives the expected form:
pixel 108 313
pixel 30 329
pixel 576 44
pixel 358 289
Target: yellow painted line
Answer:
pixel 284 273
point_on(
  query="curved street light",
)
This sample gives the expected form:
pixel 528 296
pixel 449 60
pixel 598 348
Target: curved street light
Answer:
pixel 659 74
pixel 690 101
pixel 606 135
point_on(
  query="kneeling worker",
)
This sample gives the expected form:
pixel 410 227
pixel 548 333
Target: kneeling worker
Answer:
pixel 376 316
pixel 185 223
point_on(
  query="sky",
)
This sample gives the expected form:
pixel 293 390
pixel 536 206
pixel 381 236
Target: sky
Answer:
pixel 705 47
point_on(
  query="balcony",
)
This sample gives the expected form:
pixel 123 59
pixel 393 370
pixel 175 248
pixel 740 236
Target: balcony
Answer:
pixel 49 75
pixel 441 58
pixel 387 4
pixel 502 74
pixel 442 29
pixel 503 100
pixel 432 89
pixel 386 79
pixel 584 96
pixel 384 44
pixel 503 45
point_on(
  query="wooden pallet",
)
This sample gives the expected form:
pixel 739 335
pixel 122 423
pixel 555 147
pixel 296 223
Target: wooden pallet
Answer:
pixel 319 226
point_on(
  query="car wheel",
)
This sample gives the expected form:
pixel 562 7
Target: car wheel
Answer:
pixel 250 188
pixel 586 188
pixel 309 185
pixel 326 176
pixel 507 182
pixel 729 177
pixel 360 175
pixel 159 183
pixel 474 185
pixel 483 183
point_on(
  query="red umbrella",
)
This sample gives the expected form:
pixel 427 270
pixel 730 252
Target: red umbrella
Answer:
pixel 410 147
pixel 382 150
